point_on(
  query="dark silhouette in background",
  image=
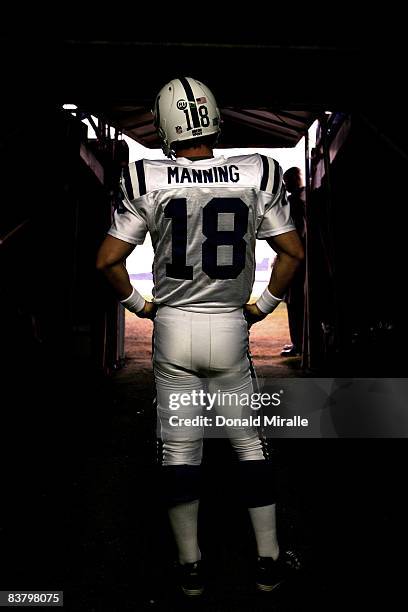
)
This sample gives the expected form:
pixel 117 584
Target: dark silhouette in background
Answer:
pixel 295 297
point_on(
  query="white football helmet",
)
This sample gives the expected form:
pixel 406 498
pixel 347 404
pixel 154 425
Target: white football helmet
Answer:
pixel 185 109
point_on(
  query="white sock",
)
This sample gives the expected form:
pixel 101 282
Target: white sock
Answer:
pixel 183 520
pixel 264 524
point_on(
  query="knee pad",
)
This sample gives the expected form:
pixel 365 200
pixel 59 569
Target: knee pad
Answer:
pixel 257 482
pixel 180 483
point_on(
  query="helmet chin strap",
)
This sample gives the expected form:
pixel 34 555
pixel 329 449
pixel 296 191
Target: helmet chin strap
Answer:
pixel 171 154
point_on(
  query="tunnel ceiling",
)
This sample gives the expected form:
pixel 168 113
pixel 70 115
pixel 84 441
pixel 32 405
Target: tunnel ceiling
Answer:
pixel 270 85
pixel 261 104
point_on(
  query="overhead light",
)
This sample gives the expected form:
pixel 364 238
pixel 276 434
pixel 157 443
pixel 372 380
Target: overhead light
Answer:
pixel 328 112
pixel 69 106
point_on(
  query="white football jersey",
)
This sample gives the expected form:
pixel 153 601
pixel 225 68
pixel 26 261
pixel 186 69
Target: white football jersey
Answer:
pixel 204 218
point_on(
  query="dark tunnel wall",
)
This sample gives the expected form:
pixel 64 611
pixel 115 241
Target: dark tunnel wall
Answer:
pixel 357 229
pixel 53 301
pixel 54 317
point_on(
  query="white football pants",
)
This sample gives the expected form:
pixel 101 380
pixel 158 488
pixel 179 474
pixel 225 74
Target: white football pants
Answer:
pixel 196 351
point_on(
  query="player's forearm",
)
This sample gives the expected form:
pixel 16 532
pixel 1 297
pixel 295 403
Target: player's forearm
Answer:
pixel 117 276
pixel 284 269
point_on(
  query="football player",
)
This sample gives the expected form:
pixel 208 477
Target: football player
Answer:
pixel 204 214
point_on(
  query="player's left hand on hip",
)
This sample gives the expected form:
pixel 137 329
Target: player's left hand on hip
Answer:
pixel 253 314
pixel 148 312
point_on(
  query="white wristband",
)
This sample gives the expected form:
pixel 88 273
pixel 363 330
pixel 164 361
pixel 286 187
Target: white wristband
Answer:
pixel 135 302
pixel 267 302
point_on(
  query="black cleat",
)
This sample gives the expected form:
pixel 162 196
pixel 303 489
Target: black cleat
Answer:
pixel 289 350
pixel 270 574
pixel 191 579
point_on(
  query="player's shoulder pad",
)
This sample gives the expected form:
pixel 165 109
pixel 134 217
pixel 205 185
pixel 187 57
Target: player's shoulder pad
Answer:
pixel 271 175
pixel 134 180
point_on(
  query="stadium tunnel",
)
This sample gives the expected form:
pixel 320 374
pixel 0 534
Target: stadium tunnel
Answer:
pixel 62 335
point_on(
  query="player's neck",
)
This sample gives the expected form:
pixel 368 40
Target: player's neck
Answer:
pixel 196 153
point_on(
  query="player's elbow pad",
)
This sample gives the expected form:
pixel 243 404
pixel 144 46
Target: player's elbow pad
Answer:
pixel 135 302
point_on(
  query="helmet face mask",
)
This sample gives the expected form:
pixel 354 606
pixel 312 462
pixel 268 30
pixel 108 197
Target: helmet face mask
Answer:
pixel 185 109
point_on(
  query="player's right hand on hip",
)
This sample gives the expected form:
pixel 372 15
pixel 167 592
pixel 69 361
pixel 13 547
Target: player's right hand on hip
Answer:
pixel 253 314
pixel 148 312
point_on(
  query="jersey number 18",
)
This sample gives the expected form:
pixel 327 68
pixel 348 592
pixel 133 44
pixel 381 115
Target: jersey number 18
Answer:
pixel 176 210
